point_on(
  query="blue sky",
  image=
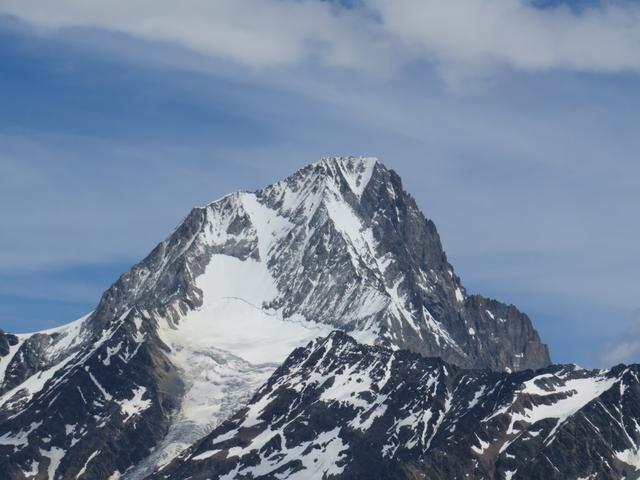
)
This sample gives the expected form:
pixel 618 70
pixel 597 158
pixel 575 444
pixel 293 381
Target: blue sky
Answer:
pixel 525 155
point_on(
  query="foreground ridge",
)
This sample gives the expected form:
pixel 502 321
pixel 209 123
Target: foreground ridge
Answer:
pixel 338 409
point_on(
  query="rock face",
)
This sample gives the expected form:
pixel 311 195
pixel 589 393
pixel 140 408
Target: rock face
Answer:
pixel 358 254
pixel 6 342
pixel 338 243
pixel 109 398
pixel 185 337
pixel 342 410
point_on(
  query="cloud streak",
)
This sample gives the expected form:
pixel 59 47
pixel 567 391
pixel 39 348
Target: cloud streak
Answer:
pixel 515 33
pixel 460 38
pixel 257 33
pixel 627 349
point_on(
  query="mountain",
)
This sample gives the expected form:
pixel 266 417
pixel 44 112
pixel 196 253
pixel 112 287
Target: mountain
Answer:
pixel 342 410
pixel 183 339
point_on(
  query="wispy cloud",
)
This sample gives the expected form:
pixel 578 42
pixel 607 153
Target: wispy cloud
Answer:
pixel 257 33
pixel 462 38
pixel 478 34
pixel 627 349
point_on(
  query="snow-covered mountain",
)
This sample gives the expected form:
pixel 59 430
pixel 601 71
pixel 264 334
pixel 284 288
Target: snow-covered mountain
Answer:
pixel 342 410
pixel 185 337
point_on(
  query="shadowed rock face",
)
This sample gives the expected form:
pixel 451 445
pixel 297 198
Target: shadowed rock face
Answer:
pixel 6 342
pixel 480 332
pixel 343 246
pixel 341 410
pixel 109 399
pixel 366 259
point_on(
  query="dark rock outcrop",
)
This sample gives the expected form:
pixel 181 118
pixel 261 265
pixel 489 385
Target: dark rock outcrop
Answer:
pixel 340 410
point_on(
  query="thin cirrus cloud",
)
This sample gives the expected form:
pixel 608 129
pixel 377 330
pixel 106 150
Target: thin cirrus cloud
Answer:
pixel 256 33
pixel 460 38
pixel 626 349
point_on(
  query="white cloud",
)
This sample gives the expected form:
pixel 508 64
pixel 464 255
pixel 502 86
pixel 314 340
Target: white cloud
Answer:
pixel 512 32
pixel 257 33
pixel 624 352
pixel 627 349
pixel 461 37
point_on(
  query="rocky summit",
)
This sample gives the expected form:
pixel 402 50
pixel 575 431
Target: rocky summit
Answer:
pixel 186 337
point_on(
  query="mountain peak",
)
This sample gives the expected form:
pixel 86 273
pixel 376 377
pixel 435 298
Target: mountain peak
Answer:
pixel 340 244
pixel 304 188
pixel 357 171
pixel 239 284
pixel 351 172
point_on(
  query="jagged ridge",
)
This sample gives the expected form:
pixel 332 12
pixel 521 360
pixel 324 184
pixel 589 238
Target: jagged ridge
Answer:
pixel 341 410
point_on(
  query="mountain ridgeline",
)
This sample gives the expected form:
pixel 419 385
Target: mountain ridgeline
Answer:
pixel 165 370
pixel 351 411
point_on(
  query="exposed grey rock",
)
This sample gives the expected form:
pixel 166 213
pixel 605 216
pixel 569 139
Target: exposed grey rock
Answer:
pixel 99 412
pixel 340 410
pixel 404 258
pixel 328 277
pixel 6 341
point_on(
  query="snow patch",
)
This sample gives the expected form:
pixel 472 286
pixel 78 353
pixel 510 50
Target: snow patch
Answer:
pixel 357 171
pixel 33 469
pixel 205 455
pixel 34 383
pixel 55 456
pixel 104 393
pixel 629 456
pixel 135 405
pixel 320 458
pixel 476 397
pixel 232 317
pixel 483 446
pixel 577 393
pixel 20 439
pixel 86 464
